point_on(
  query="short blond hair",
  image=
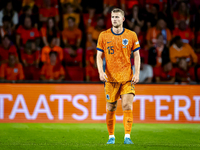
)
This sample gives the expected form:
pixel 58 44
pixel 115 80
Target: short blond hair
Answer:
pixel 116 10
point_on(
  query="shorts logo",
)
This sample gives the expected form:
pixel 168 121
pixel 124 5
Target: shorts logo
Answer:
pixel 125 42
pixel 107 97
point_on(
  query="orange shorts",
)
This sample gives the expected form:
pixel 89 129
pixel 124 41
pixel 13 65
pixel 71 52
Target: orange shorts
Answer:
pixel 113 90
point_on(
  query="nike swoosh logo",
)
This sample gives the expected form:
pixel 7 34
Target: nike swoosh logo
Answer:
pixel 109 42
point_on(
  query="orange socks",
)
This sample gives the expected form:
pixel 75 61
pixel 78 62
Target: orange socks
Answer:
pixel 128 121
pixel 110 120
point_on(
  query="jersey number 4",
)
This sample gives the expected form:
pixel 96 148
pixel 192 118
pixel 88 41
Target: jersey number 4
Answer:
pixel 110 50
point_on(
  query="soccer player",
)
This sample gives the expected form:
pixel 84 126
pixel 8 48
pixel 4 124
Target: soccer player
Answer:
pixel 116 45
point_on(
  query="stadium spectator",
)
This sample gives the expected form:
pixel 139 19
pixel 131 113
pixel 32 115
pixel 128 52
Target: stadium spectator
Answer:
pixel 30 3
pixel 140 34
pixel 52 71
pixel 90 17
pixel 6 48
pixel 48 10
pixel 69 12
pixel 180 49
pixel 26 32
pixel 146 72
pixel 11 70
pixel 165 73
pixel 153 32
pixel 158 54
pixel 181 14
pixel 75 3
pixel 52 47
pixel 27 11
pixel 184 73
pixel 160 3
pixel 129 4
pixel 6 28
pixel 72 35
pixel 184 32
pixel 8 11
pixel 49 31
pixel 43 3
pixel 110 4
pixel 93 33
pixel 135 18
pixel 154 16
pixel 30 60
pixel 91 68
pixel 73 53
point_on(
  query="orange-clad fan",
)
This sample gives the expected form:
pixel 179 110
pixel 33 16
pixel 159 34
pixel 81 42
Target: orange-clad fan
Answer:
pixel 68 10
pixel 180 49
pixel 47 10
pixel 181 14
pixel 11 70
pixel 50 30
pixel 153 32
pixel 165 73
pixel 30 59
pixel 6 29
pixel 73 52
pixel 185 73
pixel 39 3
pixel 93 33
pixel 91 68
pixel 72 35
pixel 26 32
pixel 75 3
pixel 90 17
pixel 7 48
pixel 52 47
pixel 184 32
pixel 52 71
pixel 161 3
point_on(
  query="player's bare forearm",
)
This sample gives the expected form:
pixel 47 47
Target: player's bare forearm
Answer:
pixel 137 62
pixel 102 75
pixel 135 78
pixel 99 62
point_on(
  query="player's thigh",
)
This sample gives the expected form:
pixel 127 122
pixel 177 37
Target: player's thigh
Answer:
pixel 127 101
pixel 127 94
pixel 112 91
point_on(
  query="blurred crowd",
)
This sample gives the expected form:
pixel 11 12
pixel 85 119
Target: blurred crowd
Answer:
pixel 55 40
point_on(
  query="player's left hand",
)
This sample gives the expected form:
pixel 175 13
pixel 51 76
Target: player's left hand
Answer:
pixel 135 78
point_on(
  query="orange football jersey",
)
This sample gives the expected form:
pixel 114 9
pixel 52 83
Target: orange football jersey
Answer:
pixel 117 50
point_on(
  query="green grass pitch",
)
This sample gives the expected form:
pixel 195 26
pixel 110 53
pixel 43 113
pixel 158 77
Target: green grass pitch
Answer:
pixel 47 136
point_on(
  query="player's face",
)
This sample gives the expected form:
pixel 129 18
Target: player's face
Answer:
pixel 117 19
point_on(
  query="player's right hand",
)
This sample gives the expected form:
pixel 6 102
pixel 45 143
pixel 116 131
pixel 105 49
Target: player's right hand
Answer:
pixel 103 77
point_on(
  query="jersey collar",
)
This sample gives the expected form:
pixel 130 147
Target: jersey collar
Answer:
pixel 119 33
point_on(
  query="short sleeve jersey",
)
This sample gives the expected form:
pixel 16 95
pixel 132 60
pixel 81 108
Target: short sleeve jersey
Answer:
pixel 117 51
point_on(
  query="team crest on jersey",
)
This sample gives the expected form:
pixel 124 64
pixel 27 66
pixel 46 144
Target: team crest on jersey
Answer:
pixel 107 97
pixel 125 42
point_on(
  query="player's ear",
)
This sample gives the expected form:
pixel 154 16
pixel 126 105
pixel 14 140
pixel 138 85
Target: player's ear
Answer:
pixel 123 19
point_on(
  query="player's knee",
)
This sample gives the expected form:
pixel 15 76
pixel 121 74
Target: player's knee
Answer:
pixel 111 107
pixel 126 106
